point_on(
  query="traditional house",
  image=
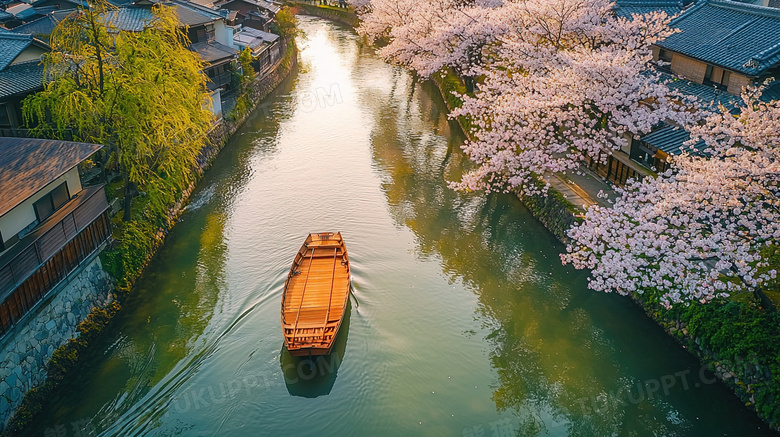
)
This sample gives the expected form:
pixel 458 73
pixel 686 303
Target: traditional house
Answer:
pixel 722 46
pixel 49 223
pixel 257 14
pixel 21 74
pixel 265 47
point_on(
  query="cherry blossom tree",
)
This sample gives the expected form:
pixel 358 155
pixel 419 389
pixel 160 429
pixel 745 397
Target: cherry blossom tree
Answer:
pixel 430 34
pixel 697 231
pixel 569 79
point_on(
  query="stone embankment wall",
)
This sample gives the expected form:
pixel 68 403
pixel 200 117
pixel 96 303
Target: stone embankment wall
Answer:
pixel 25 350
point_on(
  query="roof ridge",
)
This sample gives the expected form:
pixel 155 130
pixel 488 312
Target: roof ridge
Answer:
pixel 640 3
pixel 747 8
pixel 16 36
pixel 768 53
pixel 197 7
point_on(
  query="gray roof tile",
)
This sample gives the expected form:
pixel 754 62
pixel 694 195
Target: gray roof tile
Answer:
pixel 628 8
pixel 213 52
pixel 43 27
pixel 670 139
pixel 740 37
pixel 20 79
pixel 135 18
pixel 11 45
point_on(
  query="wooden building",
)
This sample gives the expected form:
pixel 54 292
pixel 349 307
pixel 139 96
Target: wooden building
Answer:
pixel 21 74
pixel 49 222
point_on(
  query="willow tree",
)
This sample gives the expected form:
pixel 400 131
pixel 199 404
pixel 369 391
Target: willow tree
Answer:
pixel 141 94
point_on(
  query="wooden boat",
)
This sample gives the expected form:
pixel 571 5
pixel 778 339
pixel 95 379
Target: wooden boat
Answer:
pixel 315 295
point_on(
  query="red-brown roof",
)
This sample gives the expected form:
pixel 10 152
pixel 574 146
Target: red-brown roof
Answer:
pixel 27 165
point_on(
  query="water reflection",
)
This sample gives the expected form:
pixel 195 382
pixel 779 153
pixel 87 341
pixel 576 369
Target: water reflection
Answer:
pixel 563 364
pixel 313 377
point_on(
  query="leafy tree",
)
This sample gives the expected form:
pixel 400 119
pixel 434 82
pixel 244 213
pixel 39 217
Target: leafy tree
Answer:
pixel 286 23
pixel 141 94
pixel 247 71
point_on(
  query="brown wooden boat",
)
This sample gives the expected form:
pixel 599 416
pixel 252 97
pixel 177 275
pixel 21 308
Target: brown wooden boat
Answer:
pixel 315 295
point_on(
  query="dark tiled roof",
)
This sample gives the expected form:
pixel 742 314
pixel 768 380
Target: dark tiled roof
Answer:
pixel 628 8
pixel 28 165
pixel 262 4
pixel 670 139
pixel 11 45
pixel 135 18
pixel 43 27
pixel 130 19
pixel 736 36
pixel 708 96
pixel 20 79
pixel 191 14
pixel 213 52
pixel 22 11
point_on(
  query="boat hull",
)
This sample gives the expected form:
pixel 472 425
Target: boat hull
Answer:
pixel 315 295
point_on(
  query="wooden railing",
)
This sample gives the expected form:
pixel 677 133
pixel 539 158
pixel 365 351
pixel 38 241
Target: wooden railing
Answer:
pixel 43 258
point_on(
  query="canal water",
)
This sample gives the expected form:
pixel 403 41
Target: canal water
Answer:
pixel 463 320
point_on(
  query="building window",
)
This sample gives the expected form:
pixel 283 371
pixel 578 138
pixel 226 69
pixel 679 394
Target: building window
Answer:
pixel 46 205
pixel 5 116
pixel 209 32
pixel 665 55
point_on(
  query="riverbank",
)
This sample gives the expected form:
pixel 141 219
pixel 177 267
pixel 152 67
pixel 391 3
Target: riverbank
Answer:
pixel 338 15
pixel 139 240
pixel 736 340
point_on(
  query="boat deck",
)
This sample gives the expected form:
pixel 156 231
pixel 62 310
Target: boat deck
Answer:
pixel 316 292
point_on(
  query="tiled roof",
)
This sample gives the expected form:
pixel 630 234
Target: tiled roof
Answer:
pixel 191 14
pixel 670 139
pixel 262 4
pixel 11 45
pixel 270 6
pixel 130 19
pixel 213 52
pixel 709 97
pixel 740 37
pixel 628 8
pixel 135 18
pixel 22 11
pixel 27 165
pixel 20 79
pixel 253 38
pixel 43 27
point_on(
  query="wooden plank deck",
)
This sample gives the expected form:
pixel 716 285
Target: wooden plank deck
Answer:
pixel 316 292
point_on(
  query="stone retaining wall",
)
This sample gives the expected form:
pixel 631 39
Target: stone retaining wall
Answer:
pixel 26 349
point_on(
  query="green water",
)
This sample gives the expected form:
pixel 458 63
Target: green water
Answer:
pixel 464 322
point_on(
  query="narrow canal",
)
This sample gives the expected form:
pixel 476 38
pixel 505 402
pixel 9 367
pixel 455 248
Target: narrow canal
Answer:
pixel 464 323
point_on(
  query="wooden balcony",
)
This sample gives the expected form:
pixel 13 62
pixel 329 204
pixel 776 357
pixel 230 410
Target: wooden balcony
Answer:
pixel 45 256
